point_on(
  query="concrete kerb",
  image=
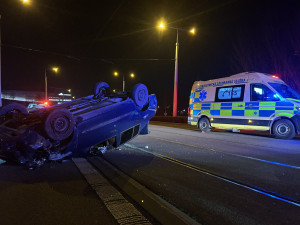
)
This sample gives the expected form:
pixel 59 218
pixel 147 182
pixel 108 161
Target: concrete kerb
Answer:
pixel 161 210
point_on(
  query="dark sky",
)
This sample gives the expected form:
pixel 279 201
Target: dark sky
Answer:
pixel 88 40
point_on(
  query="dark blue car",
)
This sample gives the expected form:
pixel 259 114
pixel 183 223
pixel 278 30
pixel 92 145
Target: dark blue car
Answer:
pixel 85 126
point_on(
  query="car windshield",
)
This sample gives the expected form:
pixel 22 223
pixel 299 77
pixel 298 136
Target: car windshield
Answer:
pixel 285 91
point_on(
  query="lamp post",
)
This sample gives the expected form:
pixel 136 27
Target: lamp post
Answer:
pixel 116 74
pixel 0 65
pixel 192 31
pixel 55 69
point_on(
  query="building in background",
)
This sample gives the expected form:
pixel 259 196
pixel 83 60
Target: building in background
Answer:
pixel 27 97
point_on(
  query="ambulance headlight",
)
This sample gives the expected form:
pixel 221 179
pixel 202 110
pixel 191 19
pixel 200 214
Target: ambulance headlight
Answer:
pixel 298 108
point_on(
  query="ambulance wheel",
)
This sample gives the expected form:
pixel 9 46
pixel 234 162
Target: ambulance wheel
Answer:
pixel 204 124
pixel 284 129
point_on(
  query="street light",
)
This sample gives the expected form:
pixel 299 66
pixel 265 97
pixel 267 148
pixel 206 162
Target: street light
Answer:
pixel 116 74
pixel 0 65
pixel 162 26
pixel 26 2
pixel 55 69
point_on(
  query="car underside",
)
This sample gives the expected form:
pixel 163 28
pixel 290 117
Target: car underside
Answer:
pixel 82 127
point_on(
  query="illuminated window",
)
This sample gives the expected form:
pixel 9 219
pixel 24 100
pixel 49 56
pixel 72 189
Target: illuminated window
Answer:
pixel 260 92
pixel 225 93
pixel 230 94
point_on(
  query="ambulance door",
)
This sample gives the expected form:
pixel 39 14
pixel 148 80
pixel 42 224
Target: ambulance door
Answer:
pixel 229 109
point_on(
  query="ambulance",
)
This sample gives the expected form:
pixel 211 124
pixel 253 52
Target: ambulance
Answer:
pixel 249 101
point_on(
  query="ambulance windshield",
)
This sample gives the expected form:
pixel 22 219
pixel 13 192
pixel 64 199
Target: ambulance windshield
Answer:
pixel 285 91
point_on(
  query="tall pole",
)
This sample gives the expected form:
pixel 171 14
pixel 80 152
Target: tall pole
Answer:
pixel 0 65
pixel 175 78
pixel 123 84
pixel 46 94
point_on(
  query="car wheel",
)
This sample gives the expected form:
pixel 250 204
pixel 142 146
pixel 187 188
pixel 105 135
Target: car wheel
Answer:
pixel 59 124
pixel 284 129
pixel 14 107
pixel 12 111
pixel 140 95
pixel 100 89
pixel 204 124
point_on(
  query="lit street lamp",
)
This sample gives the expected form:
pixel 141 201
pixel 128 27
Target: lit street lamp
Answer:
pixel 116 74
pixel 26 2
pixel 192 31
pixel 55 69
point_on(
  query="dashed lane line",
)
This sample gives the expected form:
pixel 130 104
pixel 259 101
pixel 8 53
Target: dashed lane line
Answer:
pixel 122 210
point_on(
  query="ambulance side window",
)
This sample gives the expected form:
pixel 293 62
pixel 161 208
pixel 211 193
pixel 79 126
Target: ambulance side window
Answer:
pixel 260 92
pixel 230 93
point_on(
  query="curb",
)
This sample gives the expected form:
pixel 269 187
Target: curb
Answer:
pixel 157 207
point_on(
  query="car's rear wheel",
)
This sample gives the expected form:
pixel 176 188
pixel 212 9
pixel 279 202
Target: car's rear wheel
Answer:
pixel 140 95
pixel 59 124
pixel 284 129
pixel 204 124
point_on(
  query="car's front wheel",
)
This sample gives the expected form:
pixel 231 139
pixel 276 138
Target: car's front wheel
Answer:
pixel 12 110
pixel 100 89
pixel 284 129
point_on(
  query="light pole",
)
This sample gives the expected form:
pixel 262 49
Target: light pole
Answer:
pixel 192 31
pixel 175 78
pixel 55 69
pixel 116 74
pixel 0 65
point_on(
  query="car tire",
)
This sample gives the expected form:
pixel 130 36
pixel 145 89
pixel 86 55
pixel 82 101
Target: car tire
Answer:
pixel 100 88
pixel 13 107
pixel 140 95
pixel 204 125
pixel 284 129
pixel 59 124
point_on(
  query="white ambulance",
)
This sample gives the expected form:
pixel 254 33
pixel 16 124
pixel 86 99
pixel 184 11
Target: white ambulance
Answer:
pixel 249 100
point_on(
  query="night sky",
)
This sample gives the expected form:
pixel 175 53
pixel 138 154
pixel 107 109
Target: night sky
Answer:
pixel 89 40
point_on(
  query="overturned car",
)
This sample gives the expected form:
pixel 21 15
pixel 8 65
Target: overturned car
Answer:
pixel 82 127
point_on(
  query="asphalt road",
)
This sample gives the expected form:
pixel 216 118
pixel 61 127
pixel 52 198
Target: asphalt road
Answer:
pixel 217 177
pixel 54 194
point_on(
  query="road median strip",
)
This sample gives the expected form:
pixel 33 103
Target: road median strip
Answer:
pixel 122 210
pixel 161 210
